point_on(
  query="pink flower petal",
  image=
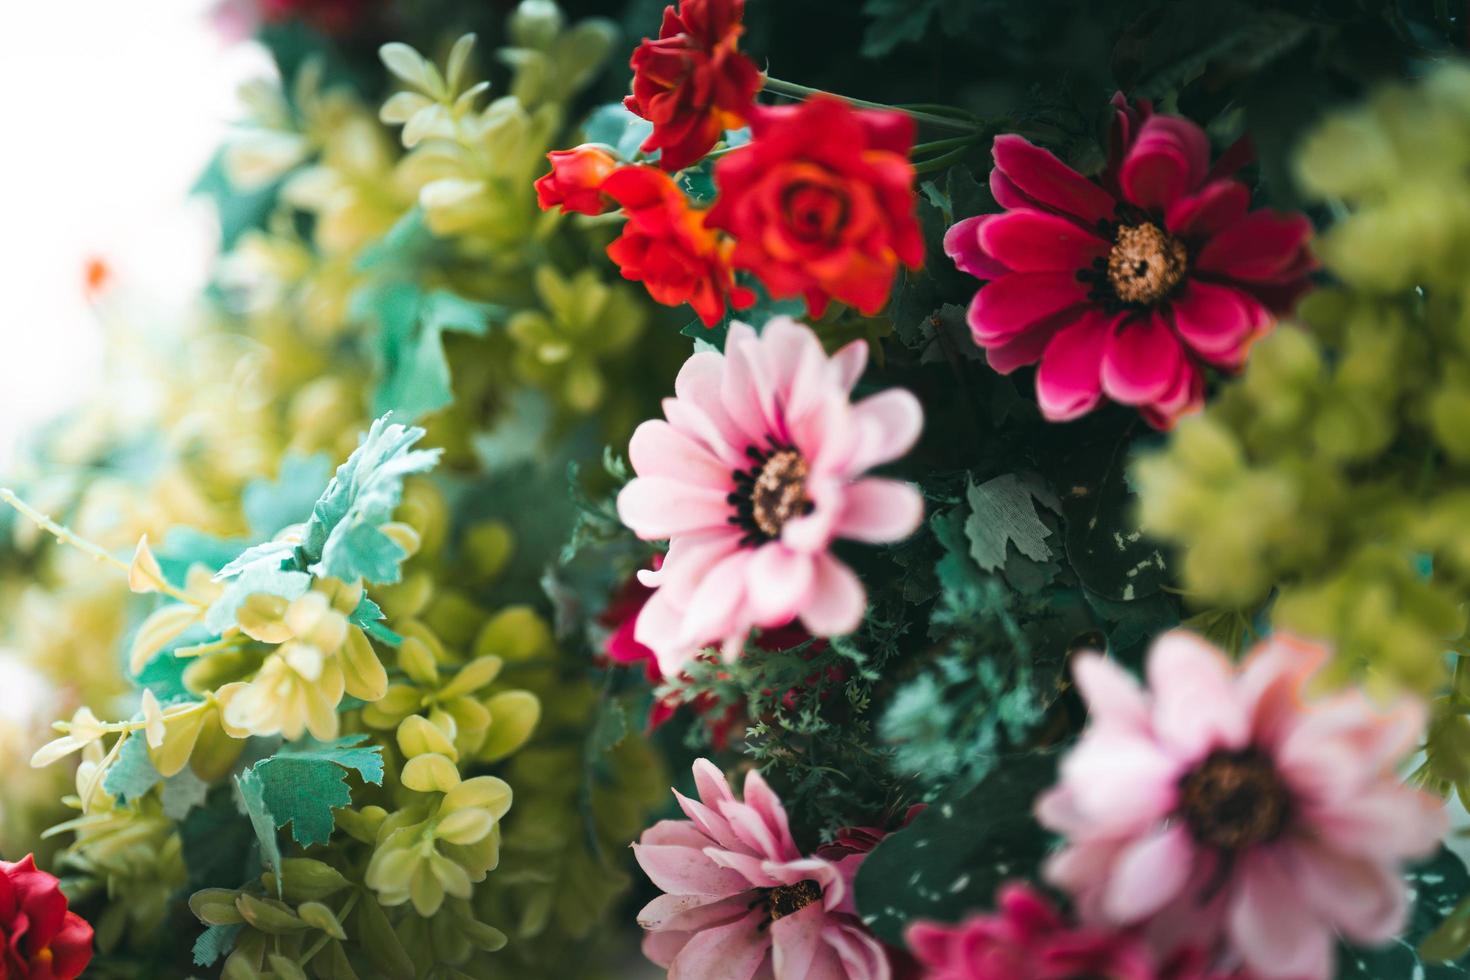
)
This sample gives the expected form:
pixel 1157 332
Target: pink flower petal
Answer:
pixel 1210 210
pixel 1034 241
pixel 860 955
pixel 888 424
pixel 1169 158
pixel 733 951
pixel 1257 248
pixel 838 601
pixel 1149 873
pixel 1068 383
pixel 656 507
pixel 1279 936
pixel 1364 900
pixel 698 388
pixel 690 913
pixel 757 836
pixel 1045 179
pixel 714 607
pixel 658 449
pixel 1270 681
pixel 707 820
pixel 1194 706
pixel 795 941
pixel 1218 322
pixel 1121 781
pixel 1141 360
pixel 962 244
pixel 748 392
pixel 1027 346
pixel 681 870
pixel 749 866
pixel 1113 697
pixel 760 798
pixel 1186 394
pixel 1005 307
pixel 778 582
pixel 849 363
pixel 877 511
pixel 710 783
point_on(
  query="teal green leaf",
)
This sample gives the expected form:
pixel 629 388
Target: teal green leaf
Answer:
pixel 182 792
pixel 614 126
pixel 132 775
pixel 251 792
pixel 416 378
pixel 215 942
pixel 1002 512
pixel 305 781
pixel 253 578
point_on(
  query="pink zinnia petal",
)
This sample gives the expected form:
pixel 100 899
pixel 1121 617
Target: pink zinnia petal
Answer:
pixel 1218 322
pixel 1278 935
pixel 1257 248
pixel 888 425
pixel 838 601
pixel 1195 710
pixel 778 581
pixel 962 244
pixel 876 510
pixel 1014 303
pixel 1046 180
pixel 658 449
pixel 1149 873
pixel 1210 210
pixel 1034 241
pixel 1168 159
pixel 1068 383
pixel 662 507
pixel 1141 360
pixel 687 871
pixel 1113 697
pixel 1364 900
pixel 795 942
pixel 733 951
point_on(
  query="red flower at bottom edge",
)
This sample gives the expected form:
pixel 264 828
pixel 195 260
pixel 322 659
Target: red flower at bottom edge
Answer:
pixel 43 939
pixel 666 246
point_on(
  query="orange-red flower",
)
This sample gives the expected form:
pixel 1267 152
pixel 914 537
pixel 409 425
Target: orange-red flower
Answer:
pixel 40 939
pixel 821 202
pixel 693 83
pixel 575 181
pixel 666 246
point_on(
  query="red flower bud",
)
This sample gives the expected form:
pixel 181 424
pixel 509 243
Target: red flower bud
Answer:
pixel 575 181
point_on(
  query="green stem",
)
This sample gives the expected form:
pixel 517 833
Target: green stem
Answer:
pixel 795 91
pixel 935 146
pixel 940 162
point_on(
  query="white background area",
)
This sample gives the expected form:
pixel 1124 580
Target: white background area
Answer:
pixel 112 109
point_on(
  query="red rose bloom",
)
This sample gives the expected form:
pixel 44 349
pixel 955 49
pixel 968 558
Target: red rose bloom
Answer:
pixel 1127 287
pixel 43 939
pixel 693 83
pixel 821 202
pixel 666 246
pixel 575 181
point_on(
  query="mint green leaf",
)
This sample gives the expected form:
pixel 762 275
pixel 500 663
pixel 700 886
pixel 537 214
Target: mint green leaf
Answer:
pixel 252 803
pixel 271 505
pixel 1001 512
pixel 182 792
pixel 305 781
pixel 416 378
pixel 132 775
pixel 253 578
pixel 404 246
pixel 270 555
pixel 613 126
pixel 519 436
pixel 215 942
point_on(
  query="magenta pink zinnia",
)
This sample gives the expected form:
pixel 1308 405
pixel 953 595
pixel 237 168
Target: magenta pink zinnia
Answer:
pixel 757 469
pixel 1218 807
pixel 741 901
pixel 1128 287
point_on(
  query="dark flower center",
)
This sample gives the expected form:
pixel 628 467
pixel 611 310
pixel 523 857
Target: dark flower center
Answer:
pixel 1146 264
pixel 1233 800
pixel 790 899
pixel 770 493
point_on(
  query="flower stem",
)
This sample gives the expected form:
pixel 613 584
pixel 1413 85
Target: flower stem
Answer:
pixel 795 91
pixel 940 162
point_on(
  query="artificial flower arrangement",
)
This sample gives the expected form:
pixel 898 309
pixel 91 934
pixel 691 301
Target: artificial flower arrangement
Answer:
pixel 608 521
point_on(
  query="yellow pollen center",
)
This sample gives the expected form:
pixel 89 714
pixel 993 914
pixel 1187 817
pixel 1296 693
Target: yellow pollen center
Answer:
pixel 790 899
pixel 779 493
pixel 1146 263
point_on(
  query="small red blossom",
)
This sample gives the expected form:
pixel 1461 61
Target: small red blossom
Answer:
pixel 667 246
pixel 693 83
pixel 334 17
pixel 1130 286
pixel 821 202
pixel 575 181
pixel 43 939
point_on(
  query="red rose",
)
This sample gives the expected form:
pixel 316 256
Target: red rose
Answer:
pixel 693 83
pixel 821 202
pixel 43 940
pixel 666 246
pixel 575 181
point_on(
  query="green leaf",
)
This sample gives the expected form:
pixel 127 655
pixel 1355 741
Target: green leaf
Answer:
pixel 305 781
pixel 611 727
pixel 182 792
pixel 1108 551
pixel 132 775
pixel 253 578
pixel 215 942
pixel 342 536
pixel 416 379
pixel 519 435
pixel 251 793
pixel 239 211
pixel 614 126
pixel 271 505
pixel 1002 512
pixel 949 861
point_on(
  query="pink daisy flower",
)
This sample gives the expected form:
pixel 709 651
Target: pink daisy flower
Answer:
pixel 757 470
pixel 741 901
pixel 1128 287
pixel 1217 808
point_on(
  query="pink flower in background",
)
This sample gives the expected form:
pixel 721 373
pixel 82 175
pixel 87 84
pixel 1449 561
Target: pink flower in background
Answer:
pixel 1218 808
pixel 1127 288
pixel 756 470
pixel 741 901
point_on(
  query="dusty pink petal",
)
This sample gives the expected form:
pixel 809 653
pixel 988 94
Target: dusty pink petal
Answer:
pixel 730 952
pixel 1214 207
pixel 1270 681
pixel 708 821
pixel 689 913
pixel 1027 346
pixel 820 870
pixel 748 866
pixel 862 958
pixel 795 940
pixel 1082 869
pixel 687 871
pixel 1347 743
pixel 1046 180
pixel 962 244
pixel 658 449
pixel 1257 248
pixel 1149 873
pixel 695 422
pixel 1169 158
pixel 715 605
pixel 1279 936
pixel 1068 383
pixel 778 581
pixel 1364 900
pixel 1006 306
pixel 758 837
pixel 1113 697
pixel 888 424
pixel 662 947
pixel 688 558
pixel 1120 780
pixel 698 388
pixel 1390 822
pixel 1141 360
pixel 876 511
pixel 1218 322
pixel 658 507
pixel 746 391
pixel 760 798
pixel 849 363
pixel 798 368
pixel 1194 705
pixel 1034 241
pixel 675 833
pixel 837 603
